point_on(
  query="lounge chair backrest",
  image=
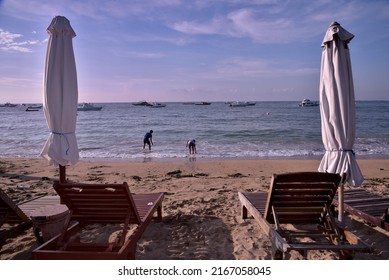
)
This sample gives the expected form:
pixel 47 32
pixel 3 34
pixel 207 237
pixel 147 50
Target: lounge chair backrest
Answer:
pixel 10 212
pixel 98 203
pixel 300 198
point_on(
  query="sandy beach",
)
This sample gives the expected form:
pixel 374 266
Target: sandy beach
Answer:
pixel 201 210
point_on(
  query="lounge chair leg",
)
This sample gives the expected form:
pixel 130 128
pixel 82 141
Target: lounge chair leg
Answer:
pixel 244 212
pixel 304 253
pixel 131 255
pixel 38 235
pixel 334 210
pixel 346 254
pixel 159 213
pixel 277 255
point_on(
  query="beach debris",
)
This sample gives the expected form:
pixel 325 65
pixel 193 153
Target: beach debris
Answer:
pixel 23 186
pixel 236 175
pixel 178 174
pixel 44 178
pixel 137 178
pixel 175 172
pixel 201 174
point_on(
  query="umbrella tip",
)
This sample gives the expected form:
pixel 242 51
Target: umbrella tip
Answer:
pixel 334 23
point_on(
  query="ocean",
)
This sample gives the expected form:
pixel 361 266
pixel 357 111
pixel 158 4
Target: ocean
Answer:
pixel 267 130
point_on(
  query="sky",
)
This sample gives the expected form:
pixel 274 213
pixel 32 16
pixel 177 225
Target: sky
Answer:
pixel 193 50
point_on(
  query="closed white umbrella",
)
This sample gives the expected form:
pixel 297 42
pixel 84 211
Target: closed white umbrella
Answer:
pixel 60 96
pixel 337 108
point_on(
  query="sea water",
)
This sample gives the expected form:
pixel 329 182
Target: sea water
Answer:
pixel 266 130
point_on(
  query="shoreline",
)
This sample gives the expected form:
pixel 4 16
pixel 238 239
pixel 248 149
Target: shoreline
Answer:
pixel 200 206
pixel 202 158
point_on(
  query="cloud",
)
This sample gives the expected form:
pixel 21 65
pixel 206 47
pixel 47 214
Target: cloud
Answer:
pixel 215 26
pixel 147 55
pixel 8 42
pixel 240 68
pixel 97 10
pixel 276 21
pixel 174 40
pixel 246 23
pixel 17 81
pixel 7 37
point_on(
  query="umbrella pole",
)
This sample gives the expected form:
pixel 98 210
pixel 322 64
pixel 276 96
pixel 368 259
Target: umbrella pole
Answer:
pixel 341 200
pixel 62 174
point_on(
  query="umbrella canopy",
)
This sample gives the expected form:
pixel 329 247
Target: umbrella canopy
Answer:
pixel 60 95
pixel 337 109
pixel 337 106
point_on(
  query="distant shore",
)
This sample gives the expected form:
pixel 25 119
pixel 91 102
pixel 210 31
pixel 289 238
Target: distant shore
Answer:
pixel 200 207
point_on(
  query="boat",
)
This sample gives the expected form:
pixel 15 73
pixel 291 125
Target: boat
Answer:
pixel 141 103
pixel 241 104
pixel 308 103
pixel 33 108
pixel 88 107
pixel 156 105
pixel 238 104
pixel 203 103
pixel 8 105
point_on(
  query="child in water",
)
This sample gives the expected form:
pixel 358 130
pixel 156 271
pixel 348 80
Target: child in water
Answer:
pixel 191 144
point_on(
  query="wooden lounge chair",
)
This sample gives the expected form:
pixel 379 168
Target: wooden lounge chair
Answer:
pixel 101 204
pixel 295 214
pixel 15 218
pixel 368 206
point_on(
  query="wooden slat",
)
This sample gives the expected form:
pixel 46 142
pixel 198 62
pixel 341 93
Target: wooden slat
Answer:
pixel 299 198
pixel 31 206
pixel 366 205
pixel 19 216
pixel 114 206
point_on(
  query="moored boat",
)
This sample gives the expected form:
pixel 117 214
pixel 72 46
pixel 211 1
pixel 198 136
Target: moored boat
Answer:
pixel 157 105
pixel 141 103
pixel 238 104
pixel 33 108
pixel 7 104
pixel 88 107
pixel 308 103
pixel 241 103
pixel 203 103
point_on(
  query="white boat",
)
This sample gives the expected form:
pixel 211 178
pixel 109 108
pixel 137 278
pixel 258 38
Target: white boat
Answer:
pixel 238 104
pixel 308 103
pixel 203 103
pixel 33 108
pixel 88 107
pixel 241 104
pixel 156 105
